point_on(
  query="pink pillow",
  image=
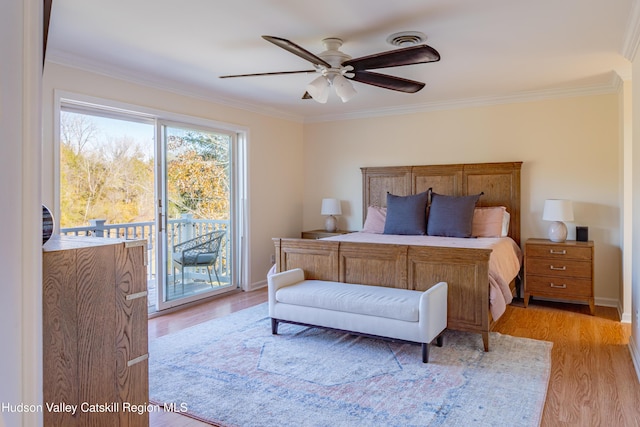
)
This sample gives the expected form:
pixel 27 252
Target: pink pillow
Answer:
pixel 488 221
pixel 376 217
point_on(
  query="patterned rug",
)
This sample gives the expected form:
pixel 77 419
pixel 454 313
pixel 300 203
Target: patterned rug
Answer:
pixel 233 372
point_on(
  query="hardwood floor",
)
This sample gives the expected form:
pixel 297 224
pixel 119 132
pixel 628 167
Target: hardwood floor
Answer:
pixel 227 304
pixel 592 383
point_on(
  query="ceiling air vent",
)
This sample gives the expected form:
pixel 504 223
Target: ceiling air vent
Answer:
pixel 406 38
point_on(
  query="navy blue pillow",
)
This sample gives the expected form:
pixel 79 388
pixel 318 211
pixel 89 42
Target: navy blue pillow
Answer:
pixel 451 216
pixel 406 214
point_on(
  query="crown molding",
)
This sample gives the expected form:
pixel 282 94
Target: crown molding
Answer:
pixel 166 86
pixel 632 34
pixel 171 86
pixel 612 86
pixel 618 81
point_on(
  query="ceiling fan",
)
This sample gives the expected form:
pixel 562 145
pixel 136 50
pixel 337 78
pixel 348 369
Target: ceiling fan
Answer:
pixel 337 68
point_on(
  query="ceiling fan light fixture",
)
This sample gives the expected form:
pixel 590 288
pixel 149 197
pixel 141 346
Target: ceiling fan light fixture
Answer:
pixel 319 89
pixel 343 87
pixel 339 69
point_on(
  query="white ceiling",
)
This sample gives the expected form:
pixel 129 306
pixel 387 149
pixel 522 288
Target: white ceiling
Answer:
pixel 491 50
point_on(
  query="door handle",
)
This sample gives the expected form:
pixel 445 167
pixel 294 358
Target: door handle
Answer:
pixel 160 216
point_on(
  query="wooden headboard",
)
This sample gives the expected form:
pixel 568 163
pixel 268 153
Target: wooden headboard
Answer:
pixel 500 183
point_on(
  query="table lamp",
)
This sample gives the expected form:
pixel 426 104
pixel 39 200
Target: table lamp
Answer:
pixel 331 207
pixel 557 211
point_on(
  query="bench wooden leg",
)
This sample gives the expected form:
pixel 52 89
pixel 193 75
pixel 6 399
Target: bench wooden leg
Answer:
pixel 274 326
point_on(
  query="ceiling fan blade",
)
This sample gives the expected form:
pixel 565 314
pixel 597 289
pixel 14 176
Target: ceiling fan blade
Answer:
pixel 267 74
pixel 297 50
pixel 395 58
pixel 387 82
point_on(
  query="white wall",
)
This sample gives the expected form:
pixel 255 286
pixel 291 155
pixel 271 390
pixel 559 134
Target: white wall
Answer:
pixel 626 198
pixel 10 173
pixel 634 341
pixel 20 252
pixel 569 146
pixel 274 152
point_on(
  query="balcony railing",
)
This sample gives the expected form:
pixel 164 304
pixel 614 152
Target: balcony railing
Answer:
pixel 178 230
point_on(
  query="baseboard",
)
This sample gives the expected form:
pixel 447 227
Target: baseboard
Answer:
pixel 607 302
pixel 257 285
pixel 635 355
pixel 624 317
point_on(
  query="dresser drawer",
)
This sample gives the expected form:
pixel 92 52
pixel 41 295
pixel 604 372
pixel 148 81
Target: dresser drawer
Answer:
pixel 558 267
pixel 559 252
pixel 559 286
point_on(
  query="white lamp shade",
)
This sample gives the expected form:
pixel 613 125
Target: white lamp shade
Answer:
pixel 557 210
pixel 331 207
pixel 319 89
pixel 344 88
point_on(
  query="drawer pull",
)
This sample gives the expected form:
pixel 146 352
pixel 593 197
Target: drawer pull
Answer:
pixel 563 286
pixel 136 295
pixel 138 359
pixel 562 252
pixel 563 268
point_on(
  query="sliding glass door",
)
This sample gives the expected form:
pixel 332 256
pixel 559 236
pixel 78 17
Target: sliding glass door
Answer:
pixel 132 175
pixel 194 212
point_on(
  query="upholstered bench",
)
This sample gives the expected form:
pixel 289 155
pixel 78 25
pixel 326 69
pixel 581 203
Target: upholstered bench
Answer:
pixel 376 311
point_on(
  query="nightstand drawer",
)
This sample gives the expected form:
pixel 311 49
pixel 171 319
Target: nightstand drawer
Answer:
pixel 558 267
pixel 559 252
pixel 560 287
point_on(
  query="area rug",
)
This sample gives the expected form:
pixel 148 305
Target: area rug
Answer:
pixel 233 372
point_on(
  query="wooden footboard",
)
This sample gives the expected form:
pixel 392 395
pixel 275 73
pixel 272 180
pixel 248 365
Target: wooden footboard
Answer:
pixel 467 273
pixel 401 266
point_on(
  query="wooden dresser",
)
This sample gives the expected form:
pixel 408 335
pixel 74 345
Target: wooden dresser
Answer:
pixel 559 270
pixel 95 332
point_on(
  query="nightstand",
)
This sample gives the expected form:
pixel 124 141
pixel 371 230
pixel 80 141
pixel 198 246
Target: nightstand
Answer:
pixel 319 234
pixel 559 270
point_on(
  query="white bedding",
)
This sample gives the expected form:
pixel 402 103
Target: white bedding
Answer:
pixel 504 262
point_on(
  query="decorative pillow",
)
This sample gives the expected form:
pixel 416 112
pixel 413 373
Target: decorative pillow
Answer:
pixel 406 214
pixel 451 216
pixel 488 221
pixel 506 221
pixel 374 223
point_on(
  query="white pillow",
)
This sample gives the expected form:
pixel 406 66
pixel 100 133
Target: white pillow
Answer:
pixel 506 219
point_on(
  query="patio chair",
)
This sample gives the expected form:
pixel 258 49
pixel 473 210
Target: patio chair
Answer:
pixel 201 251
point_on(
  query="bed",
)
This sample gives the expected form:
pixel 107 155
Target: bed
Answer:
pixel 409 262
